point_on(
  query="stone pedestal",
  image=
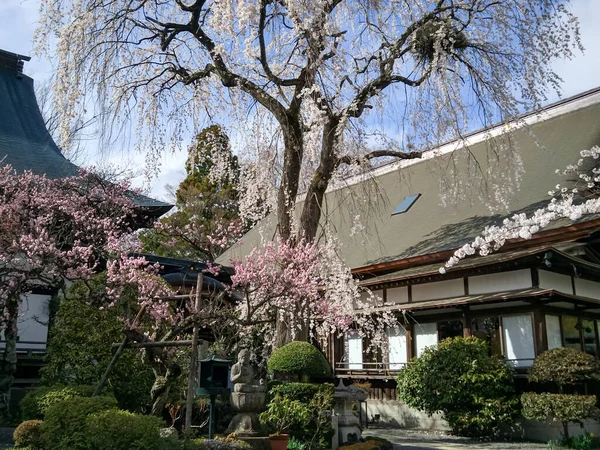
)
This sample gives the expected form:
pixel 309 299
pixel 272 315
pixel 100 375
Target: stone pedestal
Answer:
pixel 246 405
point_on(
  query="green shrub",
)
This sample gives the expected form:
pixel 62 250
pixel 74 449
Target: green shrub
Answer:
pixel 35 403
pixel 65 422
pixel 318 399
pixel 303 392
pixel 295 444
pixel 562 407
pixel 79 348
pixel 301 359
pixel 28 434
pixel 564 366
pixel 585 441
pixel 282 415
pixel 115 429
pixel 473 391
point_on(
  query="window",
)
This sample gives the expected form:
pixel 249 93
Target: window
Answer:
pixel 450 329
pixel 571 335
pixel 425 336
pixel 553 331
pixel 353 350
pixel 406 203
pixel 488 329
pixel 518 340
pixel 397 356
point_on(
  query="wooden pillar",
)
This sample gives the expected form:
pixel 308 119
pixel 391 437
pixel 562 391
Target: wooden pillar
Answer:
pixel 409 341
pixel 466 318
pixel 540 340
pixel 189 401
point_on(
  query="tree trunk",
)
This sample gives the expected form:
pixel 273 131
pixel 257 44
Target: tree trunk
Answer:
pixel 566 429
pixel 288 191
pixel 309 220
pixel 8 364
pixel 162 387
pixel 311 212
pixel 292 162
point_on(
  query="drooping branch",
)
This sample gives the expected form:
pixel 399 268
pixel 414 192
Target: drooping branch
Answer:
pixel 347 159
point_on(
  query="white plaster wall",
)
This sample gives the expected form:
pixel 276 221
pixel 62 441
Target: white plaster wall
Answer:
pixel 395 413
pixel 586 288
pixel 544 431
pixel 500 282
pixel 439 289
pixel 556 281
pixel 397 295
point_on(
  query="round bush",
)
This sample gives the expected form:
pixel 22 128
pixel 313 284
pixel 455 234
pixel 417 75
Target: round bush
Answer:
pixel 473 391
pixel 564 366
pixel 115 429
pixel 301 359
pixel 35 403
pixel 65 422
pixel 28 434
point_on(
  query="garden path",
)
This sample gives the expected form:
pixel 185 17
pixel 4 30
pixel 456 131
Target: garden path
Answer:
pixel 436 440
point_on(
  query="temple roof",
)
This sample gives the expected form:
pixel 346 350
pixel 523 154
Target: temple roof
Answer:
pixel 25 143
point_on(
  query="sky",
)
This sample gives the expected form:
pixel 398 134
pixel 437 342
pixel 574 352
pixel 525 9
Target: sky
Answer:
pixel 18 20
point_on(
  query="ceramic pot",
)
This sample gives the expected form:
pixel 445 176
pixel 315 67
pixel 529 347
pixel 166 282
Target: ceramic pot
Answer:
pixel 279 441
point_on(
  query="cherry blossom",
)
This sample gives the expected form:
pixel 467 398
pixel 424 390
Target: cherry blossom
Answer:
pixel 578 199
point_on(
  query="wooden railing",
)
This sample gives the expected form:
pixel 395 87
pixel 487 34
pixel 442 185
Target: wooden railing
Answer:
pixel 384 368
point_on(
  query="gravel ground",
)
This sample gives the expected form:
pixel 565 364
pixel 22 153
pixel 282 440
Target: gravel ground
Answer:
pixel 438 440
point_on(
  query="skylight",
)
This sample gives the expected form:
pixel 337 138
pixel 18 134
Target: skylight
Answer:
pixel 406 203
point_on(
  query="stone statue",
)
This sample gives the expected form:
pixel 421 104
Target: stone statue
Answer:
pixel 242 375
pixel 247 398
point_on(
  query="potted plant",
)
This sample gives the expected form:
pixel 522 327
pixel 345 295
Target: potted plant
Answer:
pixel 281 414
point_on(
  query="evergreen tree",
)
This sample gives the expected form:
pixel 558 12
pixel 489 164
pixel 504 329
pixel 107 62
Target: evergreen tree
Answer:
pixel 206 220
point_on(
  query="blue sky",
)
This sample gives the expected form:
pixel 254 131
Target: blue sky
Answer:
pixel 18 20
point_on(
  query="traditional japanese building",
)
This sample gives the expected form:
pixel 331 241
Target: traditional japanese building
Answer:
pixel 26 144
pixel 531 296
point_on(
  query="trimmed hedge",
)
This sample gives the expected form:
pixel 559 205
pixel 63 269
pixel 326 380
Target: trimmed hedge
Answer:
pixel 65 422
pixel 563 407
pixel 28 434
pixel 115 429
pixel 301 359
pixel 35 403
pixel 564 366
